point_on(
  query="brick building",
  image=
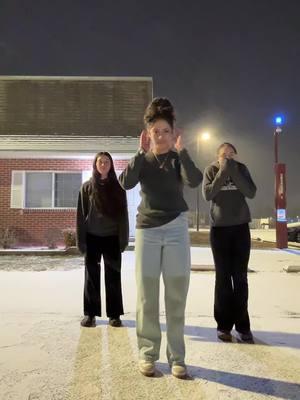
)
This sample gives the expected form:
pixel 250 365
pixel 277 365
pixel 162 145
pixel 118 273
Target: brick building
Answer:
pixel 50 130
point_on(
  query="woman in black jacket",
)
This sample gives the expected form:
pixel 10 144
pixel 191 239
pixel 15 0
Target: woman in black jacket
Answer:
pixel 102 230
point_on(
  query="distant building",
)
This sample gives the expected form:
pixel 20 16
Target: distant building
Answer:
pixel 50 130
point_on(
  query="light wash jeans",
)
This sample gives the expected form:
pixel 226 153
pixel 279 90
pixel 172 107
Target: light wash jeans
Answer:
pixel 164 249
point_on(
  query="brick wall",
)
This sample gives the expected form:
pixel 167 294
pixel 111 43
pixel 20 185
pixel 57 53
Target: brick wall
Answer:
pixel 32 226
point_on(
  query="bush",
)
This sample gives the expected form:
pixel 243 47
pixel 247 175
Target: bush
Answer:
pixel 69 237
pixel 52 237
pixel 7 238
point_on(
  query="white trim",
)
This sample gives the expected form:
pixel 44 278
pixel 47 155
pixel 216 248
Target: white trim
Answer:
pixel 51 171
pixel 59 155
pixel 17 190
pixel 15 145
pixel 24 189
pixel 76 78
pixel 53 190
pixel 48 208
pixel 86 174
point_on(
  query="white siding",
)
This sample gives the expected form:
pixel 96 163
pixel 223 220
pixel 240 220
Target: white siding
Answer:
pixel 86 175
pixel 133 200
pixel 17 189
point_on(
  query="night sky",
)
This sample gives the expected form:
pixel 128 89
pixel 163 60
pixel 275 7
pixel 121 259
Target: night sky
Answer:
pixel 228 67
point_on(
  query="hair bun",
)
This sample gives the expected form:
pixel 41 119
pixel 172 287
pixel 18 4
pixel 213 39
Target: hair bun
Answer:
pixel 160 107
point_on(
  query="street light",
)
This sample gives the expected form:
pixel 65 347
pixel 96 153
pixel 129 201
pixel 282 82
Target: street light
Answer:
pixel 205 136
pixel 280 189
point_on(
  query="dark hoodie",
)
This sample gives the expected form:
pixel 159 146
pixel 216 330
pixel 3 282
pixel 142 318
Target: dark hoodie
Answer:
pixel 161 188
pixel 90 221
pixel 227 188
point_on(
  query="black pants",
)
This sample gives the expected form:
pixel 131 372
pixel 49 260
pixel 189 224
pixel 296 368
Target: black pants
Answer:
pixel 109 248
pixel 231 250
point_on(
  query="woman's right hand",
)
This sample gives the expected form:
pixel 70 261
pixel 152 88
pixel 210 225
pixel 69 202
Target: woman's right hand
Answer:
pixel 145 141
pixel 223 162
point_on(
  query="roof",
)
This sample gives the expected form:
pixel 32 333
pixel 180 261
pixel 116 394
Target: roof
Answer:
pixel 36 146
pixel 73 106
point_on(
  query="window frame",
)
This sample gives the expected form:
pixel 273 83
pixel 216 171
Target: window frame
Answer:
pixel 52 189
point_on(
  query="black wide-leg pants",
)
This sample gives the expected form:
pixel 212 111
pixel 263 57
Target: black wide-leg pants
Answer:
pixel 231 250
pixel 109 248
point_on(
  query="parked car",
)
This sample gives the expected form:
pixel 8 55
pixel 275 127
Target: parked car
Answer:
pixel 294 232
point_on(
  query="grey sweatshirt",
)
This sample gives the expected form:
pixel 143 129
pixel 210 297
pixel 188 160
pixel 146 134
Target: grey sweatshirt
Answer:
pixel 227 188
pixel 161 188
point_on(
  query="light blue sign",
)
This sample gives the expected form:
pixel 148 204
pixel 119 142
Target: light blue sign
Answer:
pixel 281 215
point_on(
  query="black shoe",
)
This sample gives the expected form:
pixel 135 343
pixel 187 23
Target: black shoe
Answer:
pixel 88 321
pixel 245 337
pixel 115 322
pixel 224 335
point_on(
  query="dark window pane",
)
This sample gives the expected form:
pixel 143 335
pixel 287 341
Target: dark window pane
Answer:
pixel 38 190
pixel 67 186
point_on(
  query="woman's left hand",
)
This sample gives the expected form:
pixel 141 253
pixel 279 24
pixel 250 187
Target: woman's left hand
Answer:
pixel 178 139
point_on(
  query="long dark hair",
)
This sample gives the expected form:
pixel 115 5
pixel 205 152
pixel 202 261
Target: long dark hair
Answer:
pixel 108 196
pixel 159 108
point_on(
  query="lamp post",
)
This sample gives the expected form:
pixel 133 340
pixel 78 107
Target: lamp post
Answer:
pixel 205 136
pixel 280 190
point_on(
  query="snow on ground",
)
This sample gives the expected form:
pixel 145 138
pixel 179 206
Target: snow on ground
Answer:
pixel 45 355
pixel 260 260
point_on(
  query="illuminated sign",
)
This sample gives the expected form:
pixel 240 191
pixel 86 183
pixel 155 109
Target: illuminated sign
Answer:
pixel 281 215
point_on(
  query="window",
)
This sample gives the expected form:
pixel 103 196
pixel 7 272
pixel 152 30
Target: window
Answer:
pixel 52 189
pixel 38 190
pixel 66 189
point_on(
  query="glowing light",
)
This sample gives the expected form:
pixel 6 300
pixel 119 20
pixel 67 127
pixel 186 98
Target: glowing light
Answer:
pixel 279 120
pixel 205 136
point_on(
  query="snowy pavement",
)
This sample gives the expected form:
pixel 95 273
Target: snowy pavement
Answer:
pixel 44 354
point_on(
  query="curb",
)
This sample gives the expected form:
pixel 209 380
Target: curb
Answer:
pixel 202 268
pixel 70 251
pixel 207 268
pixel 292 268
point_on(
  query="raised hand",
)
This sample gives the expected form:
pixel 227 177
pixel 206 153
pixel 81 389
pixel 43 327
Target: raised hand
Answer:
pixel 145 141
pixel 178 139
pixel 223 161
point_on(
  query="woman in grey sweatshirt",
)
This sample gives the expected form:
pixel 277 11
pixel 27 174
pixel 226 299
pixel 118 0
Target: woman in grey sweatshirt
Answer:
pixel 162 166
pixel 226 183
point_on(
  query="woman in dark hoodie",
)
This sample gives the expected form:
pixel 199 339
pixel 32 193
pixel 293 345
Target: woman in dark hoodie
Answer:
pixel 226 183
pixel 102 230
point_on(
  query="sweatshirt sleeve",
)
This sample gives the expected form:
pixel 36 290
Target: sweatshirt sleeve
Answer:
pixel 212 182
pixel 82 210
pixel 190 174
pixel 242 178
pixel 129 178
pixel 124 229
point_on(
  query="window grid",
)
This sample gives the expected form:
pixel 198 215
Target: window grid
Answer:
pixel 54 191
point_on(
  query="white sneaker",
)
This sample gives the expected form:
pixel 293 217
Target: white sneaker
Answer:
pixel 147 368
pixel 179 371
